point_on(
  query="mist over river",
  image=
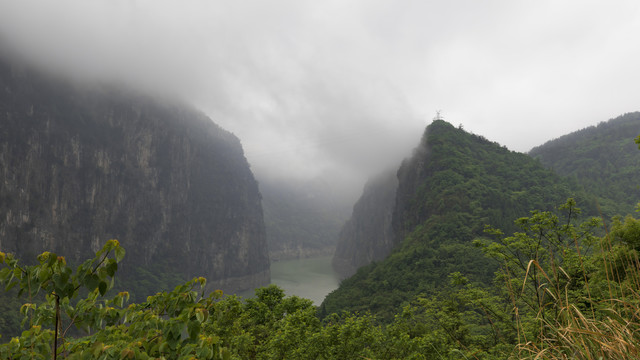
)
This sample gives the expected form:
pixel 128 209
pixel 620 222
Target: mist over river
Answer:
pixel 311 278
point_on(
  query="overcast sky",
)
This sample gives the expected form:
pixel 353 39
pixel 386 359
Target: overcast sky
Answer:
pixel 315 87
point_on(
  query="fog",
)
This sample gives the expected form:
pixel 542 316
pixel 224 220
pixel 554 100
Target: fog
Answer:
pixel 344 89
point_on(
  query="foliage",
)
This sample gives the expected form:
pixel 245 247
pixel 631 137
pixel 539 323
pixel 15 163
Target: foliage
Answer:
pixel 573 295
pixel 60 285
pixel 602 159
pixel 455 184
pixel 545 254
pixel 560 293
pixel 181 324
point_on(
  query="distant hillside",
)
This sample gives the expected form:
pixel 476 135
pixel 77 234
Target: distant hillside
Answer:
pixel 603 158
pixel 302 217
pixel 454 184
pixel 81 164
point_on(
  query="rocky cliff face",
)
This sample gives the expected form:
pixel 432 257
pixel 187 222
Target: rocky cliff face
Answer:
pixel 80 165
pixel 368 235
pixel 412 177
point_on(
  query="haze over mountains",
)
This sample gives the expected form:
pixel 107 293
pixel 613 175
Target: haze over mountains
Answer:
pixel 212 138
pixel 345 89
pixel 302 217
pixel 81 164
pixel 318 213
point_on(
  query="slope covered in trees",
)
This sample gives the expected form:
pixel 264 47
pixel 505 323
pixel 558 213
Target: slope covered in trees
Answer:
pixel 454 185
pixel 602 159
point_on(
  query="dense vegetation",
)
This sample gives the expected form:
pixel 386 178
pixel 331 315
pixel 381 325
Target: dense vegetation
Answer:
pixel 561 292
pixel 552 283
pixel 602 159
pixel 467 182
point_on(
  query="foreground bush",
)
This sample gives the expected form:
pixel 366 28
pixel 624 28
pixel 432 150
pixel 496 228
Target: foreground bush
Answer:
pixel 561 293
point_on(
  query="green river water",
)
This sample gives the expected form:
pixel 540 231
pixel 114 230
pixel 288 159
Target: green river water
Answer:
pixel 311 278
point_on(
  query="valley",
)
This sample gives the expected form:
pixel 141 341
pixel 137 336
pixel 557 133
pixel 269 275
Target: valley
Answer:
pixel 128 222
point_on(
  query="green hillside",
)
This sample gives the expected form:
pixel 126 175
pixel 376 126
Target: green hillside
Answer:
pixel 454 185
pixel 603 159
pixel 559 292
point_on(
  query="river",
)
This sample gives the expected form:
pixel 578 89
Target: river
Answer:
pixel 311 278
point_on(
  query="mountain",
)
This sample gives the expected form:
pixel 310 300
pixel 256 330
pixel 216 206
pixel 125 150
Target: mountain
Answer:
pixel 84 163
pixel 302 217
pixel 603 158
pixel 454 184
pixel 368 235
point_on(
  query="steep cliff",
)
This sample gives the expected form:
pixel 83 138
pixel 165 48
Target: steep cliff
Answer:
pixel 80 164
pixel 368 235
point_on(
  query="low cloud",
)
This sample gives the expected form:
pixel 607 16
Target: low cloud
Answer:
pixel 325 88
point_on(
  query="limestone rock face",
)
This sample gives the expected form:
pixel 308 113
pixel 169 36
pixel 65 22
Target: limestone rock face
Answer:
pixel 368 235
pixel 81 164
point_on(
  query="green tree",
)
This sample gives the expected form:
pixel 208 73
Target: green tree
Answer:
pixel 61 285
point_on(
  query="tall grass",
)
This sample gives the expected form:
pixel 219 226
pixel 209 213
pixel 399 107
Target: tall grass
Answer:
pixel 602 323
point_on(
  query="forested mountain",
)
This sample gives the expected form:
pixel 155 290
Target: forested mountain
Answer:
pixel 560 290
pixel 454 184
pixel 602 158
pixel 302 217
pixel 82 163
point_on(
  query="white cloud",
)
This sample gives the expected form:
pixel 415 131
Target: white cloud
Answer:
pixel 317 86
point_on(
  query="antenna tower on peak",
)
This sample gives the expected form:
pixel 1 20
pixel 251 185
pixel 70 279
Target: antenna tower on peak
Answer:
pixel 438 115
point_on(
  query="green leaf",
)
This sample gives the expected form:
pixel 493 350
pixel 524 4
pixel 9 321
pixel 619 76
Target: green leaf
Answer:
pixel 57 281
pixel 52 259
pixel 119 253
pixel 4 274
pixel 102 287
pixel 91 282
pixel 44 274
pixel 10 285
pixel 226 355
pixel 96 349
pixel 193 328
pixel 199 315
pixel 111 267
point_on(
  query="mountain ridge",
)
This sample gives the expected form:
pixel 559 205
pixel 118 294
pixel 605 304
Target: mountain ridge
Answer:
pixel 602 158
pixel 454 184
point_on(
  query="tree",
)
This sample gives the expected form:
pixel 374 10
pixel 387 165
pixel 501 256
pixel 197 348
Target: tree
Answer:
pixel 60 285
